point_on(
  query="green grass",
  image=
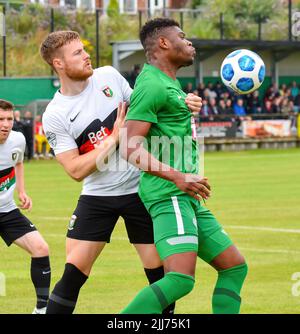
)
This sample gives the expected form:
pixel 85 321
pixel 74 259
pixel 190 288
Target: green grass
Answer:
pixel 251 191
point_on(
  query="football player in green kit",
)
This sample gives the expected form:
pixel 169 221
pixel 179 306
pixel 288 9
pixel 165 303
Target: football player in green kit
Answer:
pixel 171 192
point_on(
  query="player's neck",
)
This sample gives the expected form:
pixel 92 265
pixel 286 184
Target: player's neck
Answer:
pixel 167 68
pixel 71 88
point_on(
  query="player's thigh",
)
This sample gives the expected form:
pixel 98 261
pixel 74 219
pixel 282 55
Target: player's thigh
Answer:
pixel 82 253
pixel 17 228
pixel 93 219
pixel 148 255
pixel 175 227
pixel 33 243
pixel 213 239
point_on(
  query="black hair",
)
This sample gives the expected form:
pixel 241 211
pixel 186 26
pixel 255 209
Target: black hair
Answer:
pixel 153 27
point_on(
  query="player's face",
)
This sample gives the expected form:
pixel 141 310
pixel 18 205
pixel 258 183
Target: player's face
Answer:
pixel 76 61
pixel 182 51
pixel 6 124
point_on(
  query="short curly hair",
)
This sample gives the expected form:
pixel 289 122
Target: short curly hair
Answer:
pixel 54 42
pixel 152 28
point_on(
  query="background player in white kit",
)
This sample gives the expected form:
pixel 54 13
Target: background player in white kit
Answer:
pixel 14 226
pixel 82 126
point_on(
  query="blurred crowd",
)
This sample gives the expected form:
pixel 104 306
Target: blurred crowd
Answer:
pixel 219 101
pixel 36 143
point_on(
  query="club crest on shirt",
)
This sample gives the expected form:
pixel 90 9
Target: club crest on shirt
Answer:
pixel 14 156
pixel 107 91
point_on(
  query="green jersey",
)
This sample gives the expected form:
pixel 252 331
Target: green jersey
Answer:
pixel 160 100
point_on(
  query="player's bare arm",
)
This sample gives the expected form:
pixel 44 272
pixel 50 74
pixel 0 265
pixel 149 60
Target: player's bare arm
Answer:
pixel 80 166
pixel 25 200
pixel 148 163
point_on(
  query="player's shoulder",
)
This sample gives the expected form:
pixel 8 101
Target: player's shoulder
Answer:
pixel 53 112
pixel 106 70
pixel 17 137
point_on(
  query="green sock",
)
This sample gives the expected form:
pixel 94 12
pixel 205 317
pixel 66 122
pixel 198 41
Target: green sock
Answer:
pixel 154 298
pixel 226 297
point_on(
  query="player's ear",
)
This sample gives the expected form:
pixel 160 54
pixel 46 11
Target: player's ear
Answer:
pixel 163 42
pixel 57 63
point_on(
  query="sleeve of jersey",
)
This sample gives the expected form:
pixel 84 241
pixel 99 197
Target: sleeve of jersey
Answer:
pixel 22 148
pixel 126 90
pixel 145 102
pixel 57 135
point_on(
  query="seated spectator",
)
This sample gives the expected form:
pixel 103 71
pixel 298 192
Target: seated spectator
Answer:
pixel 189 88
pixel 201 88
pixel 213 106
pixel 276 105
pixel 229 109
pixel 222 107
pixel 285 108
pixel 267 109
pixel 238 108
pixel 206 109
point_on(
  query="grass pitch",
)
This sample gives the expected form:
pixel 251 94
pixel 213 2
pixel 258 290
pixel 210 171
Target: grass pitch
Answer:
pixel 256 196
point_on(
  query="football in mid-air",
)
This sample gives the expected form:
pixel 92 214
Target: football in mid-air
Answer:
pixel 243 71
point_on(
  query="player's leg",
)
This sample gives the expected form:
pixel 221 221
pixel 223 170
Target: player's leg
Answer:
pixel 81 255
pixel 16 228
pixel 89 229
pixel 177 244
pixel 216 248
pixel 139 228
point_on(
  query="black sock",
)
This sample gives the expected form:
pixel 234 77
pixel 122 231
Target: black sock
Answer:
pixel 64 296
pixel 154 275
pixel 41 276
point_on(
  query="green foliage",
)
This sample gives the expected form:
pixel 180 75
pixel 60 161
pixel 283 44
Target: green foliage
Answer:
pixel 113 9
pixel 27 25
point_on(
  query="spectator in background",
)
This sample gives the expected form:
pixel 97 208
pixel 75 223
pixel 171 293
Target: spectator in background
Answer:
pixel 229 109
pixel 205 110
pixel 285 108
pixel 28 133
pixel 253 103
pixel 133 75
pixel 294 90
pixel 267 109
pixel 239 108
pixel 200 89
pixel 40 139
pixel 18 124
pixel 213 106
pixel 189 88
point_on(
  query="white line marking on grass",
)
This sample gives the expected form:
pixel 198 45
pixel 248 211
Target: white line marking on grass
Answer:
pixel 259 250
pixel 271 229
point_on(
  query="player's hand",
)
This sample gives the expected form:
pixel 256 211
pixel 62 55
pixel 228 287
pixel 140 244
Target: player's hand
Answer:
pixel 25 202
pixel 194 102
pixel 119 123
pixel 193 185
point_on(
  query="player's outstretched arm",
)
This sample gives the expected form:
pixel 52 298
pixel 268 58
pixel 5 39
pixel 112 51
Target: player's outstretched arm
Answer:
pixel 132 150
pixel 79 166
pixel 25 200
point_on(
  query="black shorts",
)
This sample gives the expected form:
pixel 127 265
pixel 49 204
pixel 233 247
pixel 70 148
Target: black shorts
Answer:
pixel 13 225
pixel 95 218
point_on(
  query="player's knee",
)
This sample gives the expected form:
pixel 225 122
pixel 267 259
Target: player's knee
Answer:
pixel 71 281
pixel 182 284
pixel 40 249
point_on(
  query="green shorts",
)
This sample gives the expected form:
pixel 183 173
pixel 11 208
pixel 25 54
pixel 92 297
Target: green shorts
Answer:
pixel 182 224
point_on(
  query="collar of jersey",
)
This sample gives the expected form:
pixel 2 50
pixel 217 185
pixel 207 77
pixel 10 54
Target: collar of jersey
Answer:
pixel 156 69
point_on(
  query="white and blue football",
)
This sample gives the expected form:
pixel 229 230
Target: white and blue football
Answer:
pixel 243 71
